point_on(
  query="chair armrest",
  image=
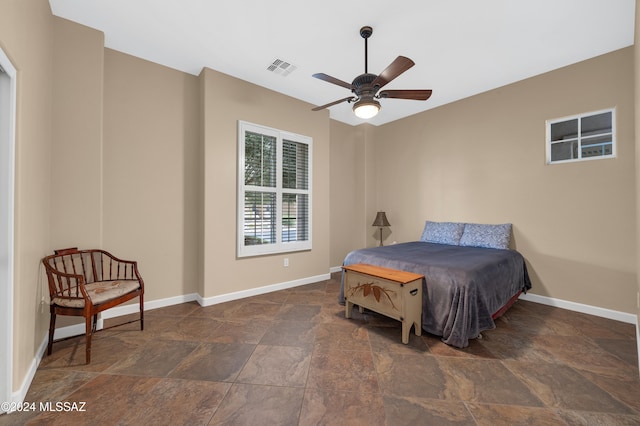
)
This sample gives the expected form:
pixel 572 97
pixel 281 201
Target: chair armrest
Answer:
pixel 121 269
pixel 66 286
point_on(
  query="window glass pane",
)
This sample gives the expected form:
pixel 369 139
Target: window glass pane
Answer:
pixel 260 160
pixel 259 218
pixel 295 214
pixel 564 130
pixel 596 124
pixel 564 151
pixel 597 146
pixel 295 164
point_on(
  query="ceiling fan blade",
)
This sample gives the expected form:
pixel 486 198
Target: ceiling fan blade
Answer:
pixel 418 95
pixel 333 80
pixel 349 98
pixel 397 67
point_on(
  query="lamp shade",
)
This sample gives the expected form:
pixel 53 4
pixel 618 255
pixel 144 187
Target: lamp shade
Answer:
pixel 381 220
pixel 366 107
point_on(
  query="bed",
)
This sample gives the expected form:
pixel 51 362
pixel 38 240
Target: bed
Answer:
pixel 470 279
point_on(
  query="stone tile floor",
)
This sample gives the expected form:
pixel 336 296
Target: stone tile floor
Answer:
pixel 291 358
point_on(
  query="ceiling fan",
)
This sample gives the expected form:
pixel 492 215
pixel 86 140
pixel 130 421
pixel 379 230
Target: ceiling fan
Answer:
pixel 365 87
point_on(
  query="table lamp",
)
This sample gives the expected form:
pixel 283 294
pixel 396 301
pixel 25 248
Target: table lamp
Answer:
pixel 381 221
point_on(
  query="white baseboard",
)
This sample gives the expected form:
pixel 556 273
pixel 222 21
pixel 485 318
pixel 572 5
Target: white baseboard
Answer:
pixel 207 301
pixel 134 308
pixel 579 307
pixel 73 330
pixel 19 395
pixel 638 344
pixel 334 269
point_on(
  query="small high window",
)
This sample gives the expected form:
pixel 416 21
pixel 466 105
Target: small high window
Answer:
pixel 581 137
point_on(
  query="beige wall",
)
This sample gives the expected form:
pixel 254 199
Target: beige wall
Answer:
pixel 26 37
pixel 76 160
pixel 151 173
pixel 354 194
pixel 482 160
pixel 76 156
pixel 348 151
pixel 227 100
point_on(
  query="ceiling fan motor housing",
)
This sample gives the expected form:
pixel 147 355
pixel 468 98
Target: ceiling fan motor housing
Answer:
pixel 363 79
pixel 362 84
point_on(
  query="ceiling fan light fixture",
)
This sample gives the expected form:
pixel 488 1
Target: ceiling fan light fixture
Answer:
pixel 365 87
pixel 366 108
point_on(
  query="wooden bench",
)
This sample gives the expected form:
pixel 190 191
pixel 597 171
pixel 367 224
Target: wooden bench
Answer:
pixel 87 282
pixel 396 294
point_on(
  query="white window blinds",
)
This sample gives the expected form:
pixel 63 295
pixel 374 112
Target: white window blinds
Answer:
pixel 274 197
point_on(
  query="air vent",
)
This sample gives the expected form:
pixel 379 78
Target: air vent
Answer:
pixel 281 67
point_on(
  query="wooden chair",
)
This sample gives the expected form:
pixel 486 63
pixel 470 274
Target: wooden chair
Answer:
pixel 87 282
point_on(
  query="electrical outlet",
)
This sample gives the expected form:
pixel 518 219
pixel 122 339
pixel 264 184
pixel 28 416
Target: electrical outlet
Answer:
pixel 286 262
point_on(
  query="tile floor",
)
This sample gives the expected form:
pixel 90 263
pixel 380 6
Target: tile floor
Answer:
pixel 291 358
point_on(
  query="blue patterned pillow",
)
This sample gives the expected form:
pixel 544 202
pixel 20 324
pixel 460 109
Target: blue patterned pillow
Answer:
pixel 489 236
pixel 442 232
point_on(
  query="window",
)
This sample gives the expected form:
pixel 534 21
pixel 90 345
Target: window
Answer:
pixel 274 191
pixel 581 137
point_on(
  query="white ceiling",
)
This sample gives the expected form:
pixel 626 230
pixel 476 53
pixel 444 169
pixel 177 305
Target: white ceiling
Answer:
pixel 460 47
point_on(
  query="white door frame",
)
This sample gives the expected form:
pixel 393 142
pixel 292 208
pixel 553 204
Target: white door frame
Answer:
pixel 7 167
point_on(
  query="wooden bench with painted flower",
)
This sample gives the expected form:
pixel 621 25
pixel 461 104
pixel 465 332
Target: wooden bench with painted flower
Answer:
pixel 390 292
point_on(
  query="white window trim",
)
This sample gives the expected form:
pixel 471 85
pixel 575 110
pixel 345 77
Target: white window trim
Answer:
pixel 279 246
pixel 578 117
pixel 8 90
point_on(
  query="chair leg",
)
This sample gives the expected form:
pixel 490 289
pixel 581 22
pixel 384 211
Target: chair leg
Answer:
pixel 88 339
pixel 52 329
pixel 95 323
pixel 141 312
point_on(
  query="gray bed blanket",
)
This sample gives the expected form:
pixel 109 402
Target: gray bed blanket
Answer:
pixel 463 286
